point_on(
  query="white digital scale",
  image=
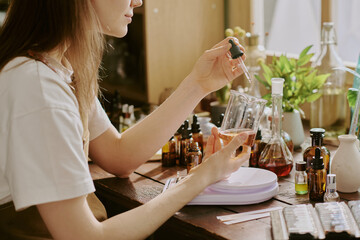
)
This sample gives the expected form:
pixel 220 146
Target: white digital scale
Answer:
pixel 245 186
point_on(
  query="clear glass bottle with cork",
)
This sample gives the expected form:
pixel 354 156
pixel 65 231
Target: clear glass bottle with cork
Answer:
pixel 301 178
pixel 186 140
pixel 196 133
pixel 317 135
pixel 328 111
pixel 317 177
pixel 276 156
pixel 193 156
pixel 331 194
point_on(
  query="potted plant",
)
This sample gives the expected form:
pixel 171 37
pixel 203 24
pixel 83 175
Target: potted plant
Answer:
pixel 302 84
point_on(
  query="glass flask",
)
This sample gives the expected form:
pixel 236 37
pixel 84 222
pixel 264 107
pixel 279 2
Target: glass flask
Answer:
pixel 276 156
pixel 328 111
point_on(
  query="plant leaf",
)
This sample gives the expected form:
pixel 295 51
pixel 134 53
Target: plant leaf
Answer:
pixel 352 96
pixel 313 97
pixel 305 59
pixel 305 51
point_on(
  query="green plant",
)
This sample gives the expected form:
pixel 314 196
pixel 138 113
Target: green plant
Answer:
pixel 223 94
pixel 302 83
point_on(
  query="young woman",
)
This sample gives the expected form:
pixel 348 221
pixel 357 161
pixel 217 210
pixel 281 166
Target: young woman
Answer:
pixel 50 117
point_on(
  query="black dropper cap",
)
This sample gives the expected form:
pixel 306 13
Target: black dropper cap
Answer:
pixel 235 50
pixel 195 126
pixel 317 134
pixel 258 135
pixel 221 118
pixel 186 133
pixel 317 162
pixel 180 129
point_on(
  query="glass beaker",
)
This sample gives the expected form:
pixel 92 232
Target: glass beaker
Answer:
pixel 242 114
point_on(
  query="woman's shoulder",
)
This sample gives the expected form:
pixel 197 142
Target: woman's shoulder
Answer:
pixel 36 86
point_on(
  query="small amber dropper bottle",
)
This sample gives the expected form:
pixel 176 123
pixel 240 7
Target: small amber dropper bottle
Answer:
pixel 317 178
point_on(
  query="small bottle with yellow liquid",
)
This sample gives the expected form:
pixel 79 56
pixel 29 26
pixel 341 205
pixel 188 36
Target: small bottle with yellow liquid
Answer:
pixel 301 179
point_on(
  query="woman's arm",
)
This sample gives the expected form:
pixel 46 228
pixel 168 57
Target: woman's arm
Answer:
pixel 72 219
pixel 122 155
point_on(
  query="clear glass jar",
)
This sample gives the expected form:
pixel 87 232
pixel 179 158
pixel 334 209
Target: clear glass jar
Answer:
pixel 328 111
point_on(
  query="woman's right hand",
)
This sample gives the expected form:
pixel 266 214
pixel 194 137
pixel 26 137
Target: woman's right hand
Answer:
pixel 218 162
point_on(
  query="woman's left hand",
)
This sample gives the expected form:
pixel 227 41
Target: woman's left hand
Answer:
pixel 215 68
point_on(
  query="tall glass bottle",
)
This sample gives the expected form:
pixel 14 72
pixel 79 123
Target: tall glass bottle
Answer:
pixel 328 111
pixel 276 156
pixel 255 53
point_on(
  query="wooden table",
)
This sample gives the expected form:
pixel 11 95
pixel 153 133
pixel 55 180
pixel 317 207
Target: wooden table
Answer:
pixel 192 222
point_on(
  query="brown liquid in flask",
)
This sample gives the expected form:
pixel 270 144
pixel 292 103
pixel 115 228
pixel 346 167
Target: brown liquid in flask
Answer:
pixel 317 135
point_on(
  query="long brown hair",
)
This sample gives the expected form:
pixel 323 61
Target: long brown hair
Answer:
pixel 45 25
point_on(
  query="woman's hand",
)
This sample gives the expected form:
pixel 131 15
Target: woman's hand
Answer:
pixel 215 67
pixel 218 162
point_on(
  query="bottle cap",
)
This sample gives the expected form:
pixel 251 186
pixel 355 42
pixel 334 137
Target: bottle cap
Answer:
pixel 317 162
pixel 277 85
pixel 300 166
pixel 317 132
pixel 258 135
pixel 180 129
pixel 235 50
pixel 195 126
pixel 186 133
pixel 331 181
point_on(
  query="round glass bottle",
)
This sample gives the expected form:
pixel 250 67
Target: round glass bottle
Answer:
pixel 276 156
pixel 328 111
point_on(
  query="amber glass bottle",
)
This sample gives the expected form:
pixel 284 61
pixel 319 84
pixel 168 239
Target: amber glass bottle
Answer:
pixel 193 156
pixel 168 156
pixel 317 177
pixel 197 134
pixel 256 150
pixel 177 138
pixel 317 135
pixel 186 140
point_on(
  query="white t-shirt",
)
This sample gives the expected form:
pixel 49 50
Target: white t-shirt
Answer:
pixel 41 148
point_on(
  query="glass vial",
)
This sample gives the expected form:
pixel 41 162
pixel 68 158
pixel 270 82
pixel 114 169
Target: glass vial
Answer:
pixel 186 140
pixel 301 178
pixel 317 178
pixel 276 156
pixel 168 156
pixel 196 133
pixel 193 156
pixel 331 195
pixel 256 150
pixel 328 111
pixel 317 135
